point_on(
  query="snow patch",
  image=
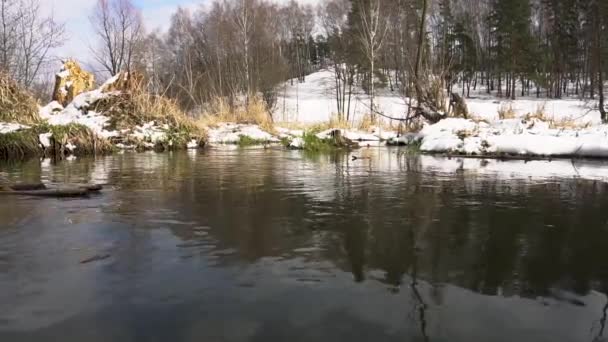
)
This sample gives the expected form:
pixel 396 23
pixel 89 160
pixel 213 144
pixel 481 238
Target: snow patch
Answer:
pixel 45 139
pixel 297 143
pixel 514 136
pixel 9 127
pixel 231 133
pixel 193 144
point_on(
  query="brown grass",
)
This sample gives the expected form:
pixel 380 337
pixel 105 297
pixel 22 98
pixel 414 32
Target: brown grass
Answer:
pixel 506 111
pixel 16 103
pixel 539 114
pixel 137 107
pixel 563 123
pixel 254 113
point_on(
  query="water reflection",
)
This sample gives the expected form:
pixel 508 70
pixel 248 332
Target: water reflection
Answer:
pixel 283 244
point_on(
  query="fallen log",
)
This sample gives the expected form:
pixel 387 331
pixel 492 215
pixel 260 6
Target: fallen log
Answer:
pixel 26 187
pixel 58 192
pixel 40 186
pixel 41 190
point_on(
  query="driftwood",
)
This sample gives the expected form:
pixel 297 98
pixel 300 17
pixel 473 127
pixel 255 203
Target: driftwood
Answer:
pixel 59 192
pixel 97 257
pixel 41 190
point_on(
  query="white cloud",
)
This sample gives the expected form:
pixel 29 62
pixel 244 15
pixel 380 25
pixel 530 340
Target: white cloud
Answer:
pixel 159 17
pixel 75 15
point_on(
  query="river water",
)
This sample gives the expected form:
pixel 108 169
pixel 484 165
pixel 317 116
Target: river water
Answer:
pixel 274 245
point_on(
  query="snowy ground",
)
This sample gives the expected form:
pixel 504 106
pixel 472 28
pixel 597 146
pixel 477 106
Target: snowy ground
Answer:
pixel 315 101
pixel 571 127
pixel 231 133
pixel 515 137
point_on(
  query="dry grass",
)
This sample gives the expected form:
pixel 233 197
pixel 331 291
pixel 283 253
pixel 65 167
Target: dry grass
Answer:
pixel 137 107
pixel 16 103
pixel 254 113
pixel 86 142
pixel 367 122
pixel 506 111
pixel 562 123
pixel 19 145
pixel 539 114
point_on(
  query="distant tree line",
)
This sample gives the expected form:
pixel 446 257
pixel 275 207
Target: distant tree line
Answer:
pixel 510 48
pixel 419 49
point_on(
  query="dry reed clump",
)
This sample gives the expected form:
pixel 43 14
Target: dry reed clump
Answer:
pixel 506 111
pixel 254 112
pixel 134 106
pixel 19 144
pixel 539 114
pixel 16 103
pixel 561 123
pixel 367 122
pixel 85 140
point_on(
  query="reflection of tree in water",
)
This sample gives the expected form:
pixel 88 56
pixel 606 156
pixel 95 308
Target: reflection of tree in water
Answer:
pixel 602 325
pixel 489 235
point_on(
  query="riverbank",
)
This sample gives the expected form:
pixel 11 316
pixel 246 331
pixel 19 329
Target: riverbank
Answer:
pixel 122 115
pixel 83 120
pixel 522 138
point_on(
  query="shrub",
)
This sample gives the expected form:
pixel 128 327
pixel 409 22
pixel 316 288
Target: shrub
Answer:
pixel 19 145
pixel 16 104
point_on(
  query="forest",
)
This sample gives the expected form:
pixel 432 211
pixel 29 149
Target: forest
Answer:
pixel 423 50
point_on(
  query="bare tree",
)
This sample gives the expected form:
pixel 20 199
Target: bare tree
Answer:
pixel 244 21
pixel 8 34
pixel 26 39
pixel 372 31
pixel 119 27
pixel 334 19
pixel 37 36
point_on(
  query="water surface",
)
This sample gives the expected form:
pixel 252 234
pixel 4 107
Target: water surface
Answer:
pixel 272 245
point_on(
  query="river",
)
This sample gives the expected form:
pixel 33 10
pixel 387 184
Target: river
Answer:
pixel 274 245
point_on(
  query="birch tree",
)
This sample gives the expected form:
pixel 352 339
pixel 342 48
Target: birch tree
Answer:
pixel 371 33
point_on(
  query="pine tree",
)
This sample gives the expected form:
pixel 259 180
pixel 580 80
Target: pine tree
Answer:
pixel 512 41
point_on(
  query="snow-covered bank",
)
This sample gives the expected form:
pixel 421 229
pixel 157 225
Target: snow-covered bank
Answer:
pixel 232 133
pixel 315 101
pixel 513 136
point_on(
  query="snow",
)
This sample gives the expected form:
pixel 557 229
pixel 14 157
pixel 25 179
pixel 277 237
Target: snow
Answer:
pixel 355 135
pixel 8 127
pixel 315 100
pixel 50 109
pixel 289 133
pixel 45 139
pixel 193 144
pixel 149 132
pixel 514 136
pixel 71 147
pixel 297 143
pixel 404 139
pixel 230 133
pixel 77 112
pixel 487 107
